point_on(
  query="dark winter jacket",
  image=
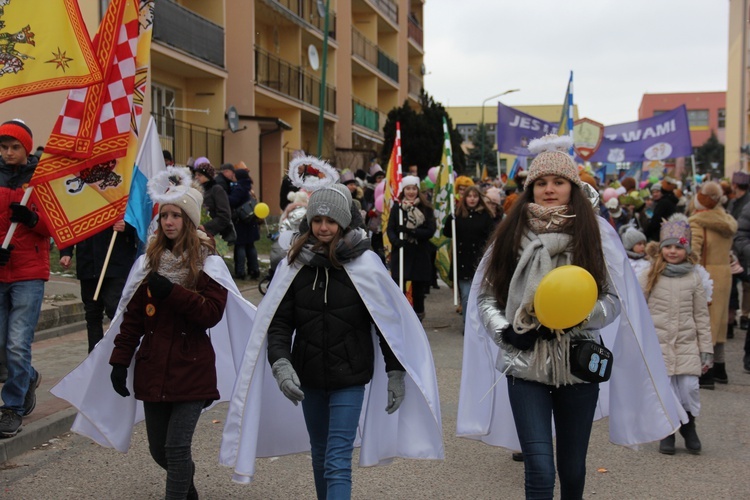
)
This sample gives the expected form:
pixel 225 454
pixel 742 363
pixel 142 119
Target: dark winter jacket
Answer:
pixel 246 232
pixel 333 345
pixel 222 181
pixel 29 259
pixel 737 204
pixel 663 209
pixel 216 203
pixel 472 233
pixel 417 260
pixel 91 252
pixel 175 361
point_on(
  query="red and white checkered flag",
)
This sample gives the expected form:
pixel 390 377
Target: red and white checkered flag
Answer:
pixel 101 113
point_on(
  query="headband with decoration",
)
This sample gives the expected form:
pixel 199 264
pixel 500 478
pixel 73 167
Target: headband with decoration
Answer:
pixel 315 175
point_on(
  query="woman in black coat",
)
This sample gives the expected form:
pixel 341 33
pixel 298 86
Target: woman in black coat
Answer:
pixel 474 224
pixel 245 253
pixel 412 232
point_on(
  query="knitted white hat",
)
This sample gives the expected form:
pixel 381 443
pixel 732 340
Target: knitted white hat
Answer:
pixel 410 180
pixel 333 201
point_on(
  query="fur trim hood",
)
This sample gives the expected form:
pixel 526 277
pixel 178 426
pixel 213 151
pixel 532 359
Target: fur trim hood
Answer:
pixel 716 219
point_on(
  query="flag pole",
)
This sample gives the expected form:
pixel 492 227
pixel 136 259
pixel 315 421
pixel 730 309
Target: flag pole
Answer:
pixel 401 250
pixel 453 243
pixel 14 225
pixel 106 263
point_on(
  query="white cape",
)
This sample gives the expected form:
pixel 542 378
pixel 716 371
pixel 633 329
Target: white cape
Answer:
pixel 108 418
pixel 638 398
pixel 262 423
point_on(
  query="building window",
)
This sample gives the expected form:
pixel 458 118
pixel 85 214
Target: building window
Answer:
pixel 162 105
pixel 722 117
pixel 467 131
pixel 698 118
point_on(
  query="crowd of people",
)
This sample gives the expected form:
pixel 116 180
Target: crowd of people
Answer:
pixel 347 284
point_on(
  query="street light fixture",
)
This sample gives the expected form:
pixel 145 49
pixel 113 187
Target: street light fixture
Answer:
pixel 484 132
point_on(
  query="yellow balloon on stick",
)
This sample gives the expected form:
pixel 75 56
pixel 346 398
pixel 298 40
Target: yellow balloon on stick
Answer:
pixel 261 210
pixel 564 297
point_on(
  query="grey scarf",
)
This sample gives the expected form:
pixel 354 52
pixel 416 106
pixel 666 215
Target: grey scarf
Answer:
pixel 354 243
pixel 677 270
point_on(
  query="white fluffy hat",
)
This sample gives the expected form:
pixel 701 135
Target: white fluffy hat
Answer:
pixel 174 187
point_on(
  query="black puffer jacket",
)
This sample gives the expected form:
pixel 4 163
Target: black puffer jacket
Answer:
pixel 333 345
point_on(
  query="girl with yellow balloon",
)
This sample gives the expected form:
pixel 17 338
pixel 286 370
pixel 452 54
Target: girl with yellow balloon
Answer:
pixel 546 284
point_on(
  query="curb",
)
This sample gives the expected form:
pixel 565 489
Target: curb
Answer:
pixel 37 433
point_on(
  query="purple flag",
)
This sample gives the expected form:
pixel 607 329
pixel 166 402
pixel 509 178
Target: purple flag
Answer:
pixel 515 129
pixel 657 138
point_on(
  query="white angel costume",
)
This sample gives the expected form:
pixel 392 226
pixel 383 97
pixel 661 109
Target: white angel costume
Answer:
pixel 262 423
pixel 108 418
pixel 638 397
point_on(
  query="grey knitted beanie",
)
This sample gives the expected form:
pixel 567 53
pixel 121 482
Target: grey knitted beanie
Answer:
pixel 630 237
pixel 333 201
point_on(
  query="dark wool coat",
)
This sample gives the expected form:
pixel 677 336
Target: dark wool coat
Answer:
pixel 91 252
pixel 175 360
pixel 333 345
pixel 417 255
pixel 216 203
pixel 472 233
pixel 246 232
pixel 663 209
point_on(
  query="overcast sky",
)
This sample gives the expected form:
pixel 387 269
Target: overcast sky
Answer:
pixel 617 49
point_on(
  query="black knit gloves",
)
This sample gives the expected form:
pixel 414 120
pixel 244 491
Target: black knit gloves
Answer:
pixel 5 255
pixel 119 378
pixel 159 285
pixel 23 215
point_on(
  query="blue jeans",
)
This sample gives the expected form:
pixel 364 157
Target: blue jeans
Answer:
pixel 170 428
pixel 20 304
pixel 464 287
pixel 242 253
pixel 332 418
pixel 572 406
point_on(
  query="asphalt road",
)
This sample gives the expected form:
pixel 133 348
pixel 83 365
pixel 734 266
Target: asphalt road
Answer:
pixel 72 467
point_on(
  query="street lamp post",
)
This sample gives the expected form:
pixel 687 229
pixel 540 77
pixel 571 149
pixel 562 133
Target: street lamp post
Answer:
pixel 484 132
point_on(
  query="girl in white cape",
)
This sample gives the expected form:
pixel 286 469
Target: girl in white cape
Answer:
pixel 341 339
pixel 170 345
pixel 553 226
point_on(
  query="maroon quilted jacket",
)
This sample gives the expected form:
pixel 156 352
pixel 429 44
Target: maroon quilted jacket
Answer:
pixel 175 360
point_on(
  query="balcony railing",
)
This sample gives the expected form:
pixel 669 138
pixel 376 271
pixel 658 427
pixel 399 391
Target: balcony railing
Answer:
pixel 415 84
pixel 368 51
pixel 187 140
pixel 307 10
pixel 365 116
pixel 292 81
pixel 388 8
pixel 415 31
pixel 183 29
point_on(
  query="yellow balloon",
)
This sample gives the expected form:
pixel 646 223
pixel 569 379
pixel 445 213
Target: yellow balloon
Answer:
pixel 261 210
pixel 564 297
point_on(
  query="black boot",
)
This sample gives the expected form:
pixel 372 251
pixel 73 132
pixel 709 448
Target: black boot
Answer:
pixel 706 380
pixel 730 331
pixel 688 432
pixel 720 373
pixel 666 445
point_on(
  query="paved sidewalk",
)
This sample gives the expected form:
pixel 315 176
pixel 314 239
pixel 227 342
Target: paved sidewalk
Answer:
pixel 60 344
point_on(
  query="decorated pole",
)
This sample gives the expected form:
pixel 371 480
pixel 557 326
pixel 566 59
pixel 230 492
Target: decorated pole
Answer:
pixel 448 151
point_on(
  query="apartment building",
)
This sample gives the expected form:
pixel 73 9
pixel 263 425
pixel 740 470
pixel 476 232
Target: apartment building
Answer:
pixel 263 60
pixel 280 56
